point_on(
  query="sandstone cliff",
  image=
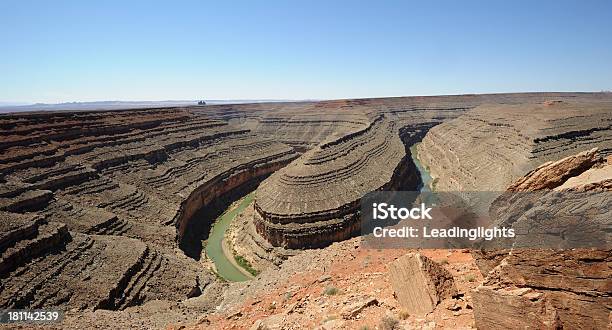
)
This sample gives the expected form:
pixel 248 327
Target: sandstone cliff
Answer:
pixel 546 288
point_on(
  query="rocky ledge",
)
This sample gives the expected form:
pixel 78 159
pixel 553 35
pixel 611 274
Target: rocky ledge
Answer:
pixel 552 288
pixel 549 161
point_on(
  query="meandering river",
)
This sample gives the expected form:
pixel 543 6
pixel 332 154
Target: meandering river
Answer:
pixel 214 247
pixel 425 177
pixel 228 269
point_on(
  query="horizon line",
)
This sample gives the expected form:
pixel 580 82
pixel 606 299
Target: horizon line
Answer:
pixel 259 100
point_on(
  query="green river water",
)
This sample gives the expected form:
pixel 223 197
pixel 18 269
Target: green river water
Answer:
pixel 226 268
pixel 214 249
pixel 425 177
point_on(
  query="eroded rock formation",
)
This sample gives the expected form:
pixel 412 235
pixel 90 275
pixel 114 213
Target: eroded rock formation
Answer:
pixel 94 203
pixel 493 145
pixel 552 288
pixel 314 201
pixel 420 284
pixel 543 154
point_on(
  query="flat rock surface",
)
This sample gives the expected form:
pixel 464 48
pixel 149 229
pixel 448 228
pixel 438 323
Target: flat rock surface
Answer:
pixel 419 283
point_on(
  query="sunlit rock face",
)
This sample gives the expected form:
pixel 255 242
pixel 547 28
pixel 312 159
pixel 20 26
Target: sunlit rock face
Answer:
pixel 532 284
pixel 493 145
pixel 314 201
pixel 95 205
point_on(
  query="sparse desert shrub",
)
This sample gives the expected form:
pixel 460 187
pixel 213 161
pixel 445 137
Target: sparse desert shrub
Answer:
pixel 246 265
pixel 434 182
pixel 219 277
pixel 331 291
pixel 470 277
pixel 366 262
pixel 403 314
pixel 389 322
pixel 365 327
pixel 444 261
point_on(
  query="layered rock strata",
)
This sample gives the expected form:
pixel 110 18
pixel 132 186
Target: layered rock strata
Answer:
pixel 542 153
pixel 94 203
pixel 546 288
pixel 248 243
pixel 101 200
pixel 420 284
pixel 301 125
pixel 315 200
pixel 43 264
pixel 411 118
pixel 286 215
pixel 491 146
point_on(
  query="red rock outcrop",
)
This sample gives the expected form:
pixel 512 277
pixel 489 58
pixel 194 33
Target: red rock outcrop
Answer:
pixel 420 284
pixel 553 174
pixel 552 288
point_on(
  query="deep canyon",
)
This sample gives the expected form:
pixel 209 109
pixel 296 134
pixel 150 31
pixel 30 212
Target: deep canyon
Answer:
pixel 106 214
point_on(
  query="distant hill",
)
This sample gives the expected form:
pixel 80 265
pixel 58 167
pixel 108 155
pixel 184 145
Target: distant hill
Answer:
pixel 112 105
pixel 100 105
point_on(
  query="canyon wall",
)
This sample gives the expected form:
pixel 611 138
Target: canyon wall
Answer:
pixel 557 151
pixel 491 146
pixel 316 200
pixel 566 287
pixel 94 203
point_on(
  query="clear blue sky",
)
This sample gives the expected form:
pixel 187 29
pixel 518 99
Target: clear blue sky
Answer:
pixel 55 51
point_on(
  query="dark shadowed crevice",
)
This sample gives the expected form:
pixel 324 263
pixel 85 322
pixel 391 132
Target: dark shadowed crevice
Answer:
pixel 199 225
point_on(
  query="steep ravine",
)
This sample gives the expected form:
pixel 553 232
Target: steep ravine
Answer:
pixel 206 203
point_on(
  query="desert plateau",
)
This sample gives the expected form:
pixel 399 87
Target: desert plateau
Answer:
pixel 116 217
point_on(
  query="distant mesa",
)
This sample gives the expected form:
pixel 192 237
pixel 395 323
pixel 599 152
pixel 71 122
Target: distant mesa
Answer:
pixel 552 102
